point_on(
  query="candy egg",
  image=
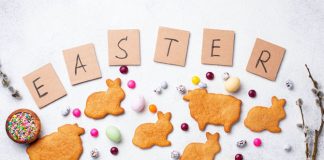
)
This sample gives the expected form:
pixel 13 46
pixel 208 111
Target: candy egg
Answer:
pixel 131 84
pixel 241 143
pixel 139 104
pixel 94 153
pixel 94 132
pixel 66 111
pixel 202 85
pixel 195 80
pixel 113 134
pixel 76 112
pixel 226 76
pixel 289 84
pixel 114 150
pixel 288 148
pixel 164 85
pixel 232 84
pixel 153 108
pixel 181 89
pixel 257 142
pixel 158 90
pixel 175 155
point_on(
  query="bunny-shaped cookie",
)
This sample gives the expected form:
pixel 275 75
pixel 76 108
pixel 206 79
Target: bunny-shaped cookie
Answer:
pixel 202 151
pixel 262 118
pixel 100 104
pixel 65 144
pixel 149 134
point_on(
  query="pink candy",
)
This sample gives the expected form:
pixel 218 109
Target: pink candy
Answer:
pixel 94 132
pixel 76 112
pixel 131 84
pixel 257 142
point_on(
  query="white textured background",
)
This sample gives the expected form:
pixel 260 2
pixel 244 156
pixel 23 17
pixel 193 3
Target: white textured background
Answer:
pixel 34 33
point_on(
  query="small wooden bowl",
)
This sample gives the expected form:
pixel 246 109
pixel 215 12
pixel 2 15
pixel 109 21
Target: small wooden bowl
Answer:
pixel 36 121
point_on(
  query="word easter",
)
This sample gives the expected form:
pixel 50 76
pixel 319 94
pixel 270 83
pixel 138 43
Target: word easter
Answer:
pixel 171 48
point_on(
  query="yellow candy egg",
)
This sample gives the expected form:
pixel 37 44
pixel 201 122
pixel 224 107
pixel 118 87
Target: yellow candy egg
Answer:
pixel 195 80
pixel 232 84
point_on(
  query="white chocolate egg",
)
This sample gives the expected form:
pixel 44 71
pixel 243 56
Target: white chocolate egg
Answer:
pixel 232 84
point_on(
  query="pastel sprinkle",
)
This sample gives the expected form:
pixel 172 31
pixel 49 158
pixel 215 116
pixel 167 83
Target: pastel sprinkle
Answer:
pixel 22 127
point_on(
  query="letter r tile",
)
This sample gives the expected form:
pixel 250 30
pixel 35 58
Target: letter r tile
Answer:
pixel 265 59
pixel 171 46
pixel 44 85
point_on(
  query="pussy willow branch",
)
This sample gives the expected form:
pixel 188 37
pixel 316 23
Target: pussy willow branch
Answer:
pixel 305 133
pixel 320 105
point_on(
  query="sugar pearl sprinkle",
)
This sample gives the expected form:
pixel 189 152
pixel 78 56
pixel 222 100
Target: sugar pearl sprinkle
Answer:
pixel 288 148
pixel 22 127
pixel 158 90
pixel 164 85
pixel 175 155
pixel 94 153
pixel 202 85
pixel 241 143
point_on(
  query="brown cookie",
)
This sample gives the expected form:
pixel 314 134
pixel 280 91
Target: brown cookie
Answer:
pixel 149 134
pixel 65 144
pixel 209 108
pixel 100 104
pixel 203 151
pixel 263 118
pixel 23 126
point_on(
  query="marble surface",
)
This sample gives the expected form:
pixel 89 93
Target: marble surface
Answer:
pixel 34 33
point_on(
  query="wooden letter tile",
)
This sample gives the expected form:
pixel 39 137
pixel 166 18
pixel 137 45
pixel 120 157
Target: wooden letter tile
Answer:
pixel 265 59
pixel 218 47
pixel 44 85
pixel 124 47
pixel 171 46
pixel 81 63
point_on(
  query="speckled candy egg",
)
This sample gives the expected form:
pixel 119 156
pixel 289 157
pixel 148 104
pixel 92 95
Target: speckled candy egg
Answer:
pixel 138 104
pixel 94 153
pixel 232 84
pixel 241 143
pixel 175 155
pixel 181 89
pixel 65 111
pixel 113 134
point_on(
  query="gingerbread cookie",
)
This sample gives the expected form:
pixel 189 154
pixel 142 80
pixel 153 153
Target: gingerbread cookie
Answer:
pixel 209 108
pixel 202 151
pixel 100 104
pixel 65 144
pixel 23 126
pixel 150 134
pixel 263 118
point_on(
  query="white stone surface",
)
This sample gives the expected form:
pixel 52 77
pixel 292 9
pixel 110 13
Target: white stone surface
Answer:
pixel 34 33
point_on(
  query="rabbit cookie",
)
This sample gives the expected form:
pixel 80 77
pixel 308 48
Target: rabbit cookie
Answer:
pixel 262 118
pixel 100 104
pixel 202 151
pixel 209 108
pixel 149 134
pixel 65 144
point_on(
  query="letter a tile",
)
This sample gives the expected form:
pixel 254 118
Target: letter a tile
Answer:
pixel 265 59
pixel 81 64
pixel 171 46
pixel 44 85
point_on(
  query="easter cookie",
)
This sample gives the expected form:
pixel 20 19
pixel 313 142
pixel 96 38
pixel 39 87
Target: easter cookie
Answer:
pixel 262 118
pixel 202 151
pixel 65 144
pixel 23 126
pixel 149 134
pixel 100 104
pixel 209 108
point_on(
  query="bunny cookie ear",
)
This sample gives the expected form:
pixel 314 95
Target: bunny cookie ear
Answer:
pixel 117 81
pixel 167 115
pixel 279 102
pixel 109 82
pixel 159 114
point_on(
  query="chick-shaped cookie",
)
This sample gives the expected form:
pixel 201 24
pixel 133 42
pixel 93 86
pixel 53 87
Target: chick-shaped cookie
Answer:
pixel 263 118
pixel 100 104
pixel 65 144
pixel 149 134
pixel 203 151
